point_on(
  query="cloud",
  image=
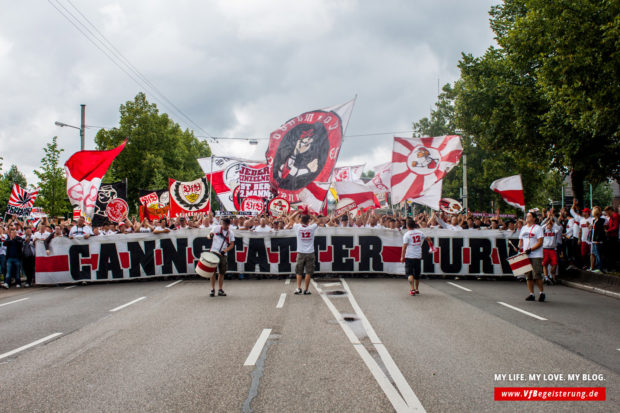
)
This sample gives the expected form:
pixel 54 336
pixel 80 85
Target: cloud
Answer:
pixel 237 68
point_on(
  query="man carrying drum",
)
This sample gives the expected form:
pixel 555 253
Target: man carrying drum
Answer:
pixel 223 241
pixel 530 242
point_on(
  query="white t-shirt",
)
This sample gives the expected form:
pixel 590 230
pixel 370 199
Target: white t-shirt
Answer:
pixel 221 238
pixel 550 236
pixel 266 228
pixel 305 238
pixel 41 235
pixel 79 232
pixel 2 246
pixel 530 236
pixel 414 240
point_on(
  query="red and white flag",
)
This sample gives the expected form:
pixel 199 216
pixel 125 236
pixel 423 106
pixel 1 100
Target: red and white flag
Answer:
pixel 303 151
pixel 348 173
pixel 223 176
pixel 189 198
pixel 84 170
pixel 418 163
pixel 431 197
pixel 361 195
pixel 380 183
pixel 21 198
pixel 511 190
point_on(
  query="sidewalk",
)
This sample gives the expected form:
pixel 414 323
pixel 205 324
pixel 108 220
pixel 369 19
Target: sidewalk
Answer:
pixel 604 284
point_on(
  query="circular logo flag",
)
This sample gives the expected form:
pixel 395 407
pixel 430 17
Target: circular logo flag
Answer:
pixel 303 153
pixel 117 210
pixel 278 207
pixel 253 204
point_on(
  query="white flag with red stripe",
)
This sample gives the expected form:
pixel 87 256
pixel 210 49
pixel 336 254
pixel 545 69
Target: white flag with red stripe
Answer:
pixel 380 183
pixel 362 195
pixel 418 163
pixel 84 170
pixel 511 190
pixel 431 196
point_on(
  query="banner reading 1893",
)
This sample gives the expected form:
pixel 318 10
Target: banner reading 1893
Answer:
pixel 338 250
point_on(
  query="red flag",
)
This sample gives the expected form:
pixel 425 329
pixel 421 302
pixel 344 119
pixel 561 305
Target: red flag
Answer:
pixel 419 163
pixel 84 172
pixel 511 190
pixel 302 154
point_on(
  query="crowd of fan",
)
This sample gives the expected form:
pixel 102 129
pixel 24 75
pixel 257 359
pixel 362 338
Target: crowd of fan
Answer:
pixel 586 239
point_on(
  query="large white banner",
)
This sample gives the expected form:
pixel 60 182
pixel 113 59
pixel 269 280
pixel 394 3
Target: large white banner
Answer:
pixel 338 250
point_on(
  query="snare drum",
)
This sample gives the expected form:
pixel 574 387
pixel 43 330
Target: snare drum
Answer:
pixel 520 264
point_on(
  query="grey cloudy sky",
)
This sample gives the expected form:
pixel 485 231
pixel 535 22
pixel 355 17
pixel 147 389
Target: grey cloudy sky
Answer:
pixel 238 68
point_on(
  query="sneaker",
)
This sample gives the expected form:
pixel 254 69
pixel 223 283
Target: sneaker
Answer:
pixel 212 293
pixel 411 292
pixel 416 292
pixel 307 292
pixel 541 297
pixel 530 298
pixel 5 285
pixel 298 291
pixel 221 293
pixel 18 286
pixel 26 285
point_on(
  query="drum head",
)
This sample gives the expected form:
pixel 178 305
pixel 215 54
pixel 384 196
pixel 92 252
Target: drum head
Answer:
pixel 209 257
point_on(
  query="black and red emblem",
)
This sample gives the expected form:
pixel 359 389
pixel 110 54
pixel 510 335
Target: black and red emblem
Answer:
pixel 303 151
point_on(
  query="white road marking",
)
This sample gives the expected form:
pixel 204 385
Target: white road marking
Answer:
pixel 287 281
pixel 173 284
pixel 330 284
pixel 281 300
pixel 258 347
pixel 27 346
pixel 13 302
pixel 398 402
pixel 522 311
pixel 71 286
pixel 127 305
pixel 401 383
pixel 459 286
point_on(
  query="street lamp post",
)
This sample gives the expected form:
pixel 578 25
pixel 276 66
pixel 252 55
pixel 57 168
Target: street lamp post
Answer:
pixel 82 127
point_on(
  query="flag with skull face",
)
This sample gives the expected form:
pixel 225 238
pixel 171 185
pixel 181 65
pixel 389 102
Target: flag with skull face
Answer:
pixel 302 154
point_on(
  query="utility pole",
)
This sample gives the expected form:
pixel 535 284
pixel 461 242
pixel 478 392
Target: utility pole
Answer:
pixel 82 127
pixel 465 182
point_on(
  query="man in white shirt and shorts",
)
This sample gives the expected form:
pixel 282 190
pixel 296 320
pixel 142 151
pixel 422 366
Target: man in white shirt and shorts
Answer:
pixel 412 255
pixel 305 250
pixel 223 241
pixel 531 242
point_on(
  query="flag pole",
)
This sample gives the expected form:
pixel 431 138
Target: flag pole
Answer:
pixel 209 184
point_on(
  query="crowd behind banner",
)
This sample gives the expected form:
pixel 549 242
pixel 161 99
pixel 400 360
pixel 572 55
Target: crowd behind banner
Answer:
pixel 587 239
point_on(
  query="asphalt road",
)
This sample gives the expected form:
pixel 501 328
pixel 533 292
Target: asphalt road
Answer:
pixel 355 345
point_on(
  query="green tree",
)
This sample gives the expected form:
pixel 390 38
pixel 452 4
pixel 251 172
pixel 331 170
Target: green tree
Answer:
pixel 484 165
pixel 52 182
pixel 157 148
pixel 12 176
pixel 550 90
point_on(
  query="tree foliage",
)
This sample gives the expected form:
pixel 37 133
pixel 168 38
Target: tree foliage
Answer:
pixel 52 182
pixel 485 165
pixel 549 91
pixel 157 148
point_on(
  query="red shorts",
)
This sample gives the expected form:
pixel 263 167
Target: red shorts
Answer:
pixel 550 257
pixel 585 249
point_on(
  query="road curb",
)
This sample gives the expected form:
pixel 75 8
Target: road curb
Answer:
pixel 591 289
